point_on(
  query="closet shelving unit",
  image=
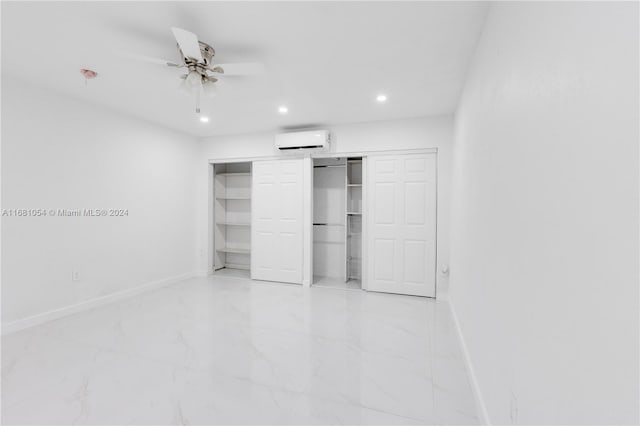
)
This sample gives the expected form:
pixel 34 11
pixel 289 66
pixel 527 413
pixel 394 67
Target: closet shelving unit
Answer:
pixel 232 214
pixel 353 264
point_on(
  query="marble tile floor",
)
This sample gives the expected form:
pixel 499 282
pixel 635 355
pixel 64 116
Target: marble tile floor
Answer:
pixel 336 283
pixel 232 273
pixel 231 351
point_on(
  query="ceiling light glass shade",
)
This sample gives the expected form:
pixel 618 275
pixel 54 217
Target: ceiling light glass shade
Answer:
pixel 193 80
pixel 184 87
pixel 210 88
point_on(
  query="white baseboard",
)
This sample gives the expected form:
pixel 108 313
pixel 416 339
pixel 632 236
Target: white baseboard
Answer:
pixel 42 318
pixel 475 386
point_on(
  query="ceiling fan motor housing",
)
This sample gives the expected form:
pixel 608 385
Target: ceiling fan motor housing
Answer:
pixel 207 52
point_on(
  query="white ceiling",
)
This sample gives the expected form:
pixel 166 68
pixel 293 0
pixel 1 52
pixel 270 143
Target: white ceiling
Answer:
pixel 325 60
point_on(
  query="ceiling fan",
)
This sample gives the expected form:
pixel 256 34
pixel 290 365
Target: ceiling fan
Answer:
pixel 196 57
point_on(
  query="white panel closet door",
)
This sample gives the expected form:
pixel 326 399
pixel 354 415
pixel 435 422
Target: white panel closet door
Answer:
pixel 276 228
pixel 402 224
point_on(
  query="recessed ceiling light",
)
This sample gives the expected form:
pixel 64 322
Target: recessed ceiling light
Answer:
pixel 381 98
pixel 283 109
pixel 204 119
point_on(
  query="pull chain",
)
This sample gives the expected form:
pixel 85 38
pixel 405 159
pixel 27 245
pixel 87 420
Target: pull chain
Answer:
pixel 198 101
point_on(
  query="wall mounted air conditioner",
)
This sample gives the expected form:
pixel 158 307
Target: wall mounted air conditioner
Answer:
pixel 313 139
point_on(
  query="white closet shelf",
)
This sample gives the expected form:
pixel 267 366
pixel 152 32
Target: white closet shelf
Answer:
pixel 234 223
pixel 236 250
pixel 234 174
pixel 233 198
pixel 354 184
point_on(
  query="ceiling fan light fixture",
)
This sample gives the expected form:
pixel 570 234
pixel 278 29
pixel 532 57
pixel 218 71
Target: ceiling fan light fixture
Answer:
pixel 209 87
pixel 184 86
pixel 193 79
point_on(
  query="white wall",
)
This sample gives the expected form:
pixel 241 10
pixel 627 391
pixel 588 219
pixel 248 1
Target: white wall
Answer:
pixel 544 275
pixel 414 133
pixel 61 153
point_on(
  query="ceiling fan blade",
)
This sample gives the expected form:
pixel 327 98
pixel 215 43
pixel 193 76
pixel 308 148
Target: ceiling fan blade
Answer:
pixel 149 59
pixel 212 89
pixel 223 85
pixel 188 43
pixel 247 68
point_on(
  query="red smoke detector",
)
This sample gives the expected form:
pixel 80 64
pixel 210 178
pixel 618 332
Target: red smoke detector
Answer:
pixel 88 74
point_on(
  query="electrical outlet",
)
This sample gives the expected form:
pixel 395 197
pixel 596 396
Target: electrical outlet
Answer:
pixel 75 275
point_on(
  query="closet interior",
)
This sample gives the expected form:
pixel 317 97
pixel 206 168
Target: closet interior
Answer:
pixel 337 222
pixel 354 221
pixel 232 217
